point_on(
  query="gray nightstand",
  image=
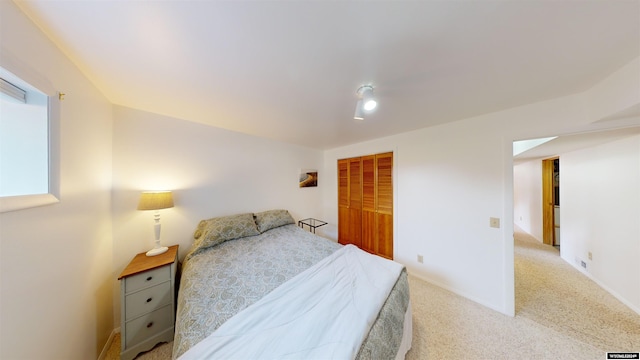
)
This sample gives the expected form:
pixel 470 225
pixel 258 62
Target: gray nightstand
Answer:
pixel 147 295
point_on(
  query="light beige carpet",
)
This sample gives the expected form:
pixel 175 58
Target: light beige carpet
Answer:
pixel 560 314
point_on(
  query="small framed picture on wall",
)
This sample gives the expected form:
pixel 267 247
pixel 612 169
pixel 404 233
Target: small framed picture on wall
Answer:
pixel 308 178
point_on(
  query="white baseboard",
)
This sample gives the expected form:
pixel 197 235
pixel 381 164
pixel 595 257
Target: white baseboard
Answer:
pixel 106 347
pixel 458 292
pixel 606 288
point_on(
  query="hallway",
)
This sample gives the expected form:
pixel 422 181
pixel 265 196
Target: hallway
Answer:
pixel 560 314
pixel 554 294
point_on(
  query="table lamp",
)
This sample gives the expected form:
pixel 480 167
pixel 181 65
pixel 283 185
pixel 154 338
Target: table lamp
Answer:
pixel 156 200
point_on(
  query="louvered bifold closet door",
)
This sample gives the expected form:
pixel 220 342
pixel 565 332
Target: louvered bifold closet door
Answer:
pixel 343 200
pixel 384 205
pixel 354 235
pixel 369 203
pixel 350 201
pixel 365 203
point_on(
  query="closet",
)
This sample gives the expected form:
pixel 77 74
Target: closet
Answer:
pixel 365 203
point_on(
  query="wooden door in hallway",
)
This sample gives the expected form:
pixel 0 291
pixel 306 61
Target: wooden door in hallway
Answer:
pixel 550 201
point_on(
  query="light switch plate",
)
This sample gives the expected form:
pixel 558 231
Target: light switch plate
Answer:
pixel 494 222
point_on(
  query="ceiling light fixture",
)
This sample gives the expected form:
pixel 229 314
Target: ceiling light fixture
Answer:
pixel 366 102
pixel 359 115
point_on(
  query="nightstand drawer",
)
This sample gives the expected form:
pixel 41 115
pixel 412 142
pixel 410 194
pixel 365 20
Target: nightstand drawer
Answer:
pixel 148 325
pixel 148 278
pixel 147 300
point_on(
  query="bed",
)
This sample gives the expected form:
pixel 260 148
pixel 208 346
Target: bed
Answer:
pixel 252 287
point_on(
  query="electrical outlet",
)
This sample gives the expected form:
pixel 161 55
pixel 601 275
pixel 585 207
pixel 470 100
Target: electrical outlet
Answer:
pixel 420 259
pixel 494 222
pixel 590 256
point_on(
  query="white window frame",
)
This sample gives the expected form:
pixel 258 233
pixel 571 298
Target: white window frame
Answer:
pixel 8 70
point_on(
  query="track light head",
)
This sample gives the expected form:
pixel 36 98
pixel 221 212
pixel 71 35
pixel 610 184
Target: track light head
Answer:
pixel 359 115
pixel 366 102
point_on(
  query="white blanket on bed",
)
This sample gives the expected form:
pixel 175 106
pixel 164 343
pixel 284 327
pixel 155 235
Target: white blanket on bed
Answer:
pixel 324 312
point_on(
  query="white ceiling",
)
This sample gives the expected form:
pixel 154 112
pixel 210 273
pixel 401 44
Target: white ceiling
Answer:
pixel 289 70
pixel 573 142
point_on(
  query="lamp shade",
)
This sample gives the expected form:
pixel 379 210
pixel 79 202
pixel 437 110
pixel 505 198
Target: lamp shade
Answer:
pixel 155 200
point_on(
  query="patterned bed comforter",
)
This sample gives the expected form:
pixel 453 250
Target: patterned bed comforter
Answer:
pixel 219 282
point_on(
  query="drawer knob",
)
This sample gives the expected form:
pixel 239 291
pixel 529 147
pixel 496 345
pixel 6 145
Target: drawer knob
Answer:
pixel 149 299
pixel 149 324
pixel 149 278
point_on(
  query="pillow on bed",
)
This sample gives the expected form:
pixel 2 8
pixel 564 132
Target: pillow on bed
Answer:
pixel 270 219
pixel 218 230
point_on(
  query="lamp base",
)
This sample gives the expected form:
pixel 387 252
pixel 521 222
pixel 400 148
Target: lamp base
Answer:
pixel 157 251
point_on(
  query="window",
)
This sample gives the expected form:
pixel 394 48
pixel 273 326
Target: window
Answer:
pixel 28 135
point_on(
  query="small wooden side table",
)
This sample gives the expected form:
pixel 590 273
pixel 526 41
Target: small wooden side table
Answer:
pixel 312 223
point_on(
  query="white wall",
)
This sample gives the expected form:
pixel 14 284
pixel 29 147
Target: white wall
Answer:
pixel 527 197
pixel 600 197
pixel 446 189
pixel 451 178
pixel 213 172
pixel 56 265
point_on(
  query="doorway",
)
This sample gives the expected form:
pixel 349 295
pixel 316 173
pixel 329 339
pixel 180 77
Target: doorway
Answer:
pixel 533 170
